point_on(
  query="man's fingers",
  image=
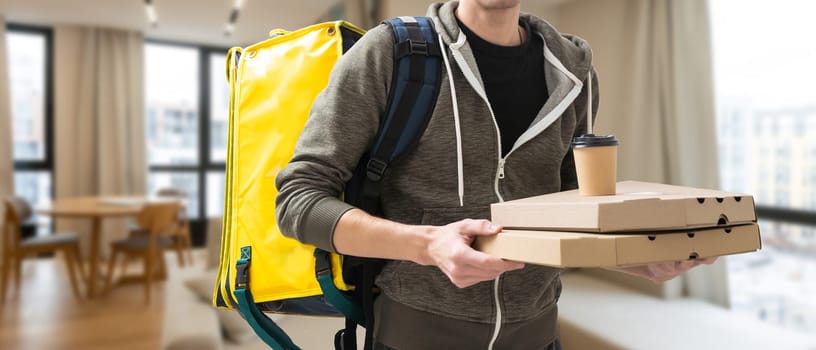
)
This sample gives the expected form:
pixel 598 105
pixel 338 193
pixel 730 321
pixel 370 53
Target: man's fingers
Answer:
pixel 488 262
pixel 468 275
pixel 662 272
pixel 478 227
pixel 453 254
pixel 661 269
pixel 686 265
pixel 471 267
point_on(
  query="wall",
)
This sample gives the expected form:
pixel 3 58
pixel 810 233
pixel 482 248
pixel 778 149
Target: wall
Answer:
pixel 601 23
pixel 394 8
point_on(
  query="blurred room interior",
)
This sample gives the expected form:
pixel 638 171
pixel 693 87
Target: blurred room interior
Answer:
pixel 126 102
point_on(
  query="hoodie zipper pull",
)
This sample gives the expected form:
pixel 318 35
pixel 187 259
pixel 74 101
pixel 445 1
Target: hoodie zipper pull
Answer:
pixel 501 169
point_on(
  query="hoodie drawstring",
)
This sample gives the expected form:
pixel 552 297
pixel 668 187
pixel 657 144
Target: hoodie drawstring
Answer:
pixel 459 162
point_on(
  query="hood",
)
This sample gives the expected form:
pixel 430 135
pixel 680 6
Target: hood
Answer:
pixel 572 51
pixel 566 59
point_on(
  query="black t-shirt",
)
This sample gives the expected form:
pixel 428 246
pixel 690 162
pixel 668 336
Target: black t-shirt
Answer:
pixel 514 81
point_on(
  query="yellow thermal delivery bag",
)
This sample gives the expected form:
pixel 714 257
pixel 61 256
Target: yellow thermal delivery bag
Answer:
pixel 273 84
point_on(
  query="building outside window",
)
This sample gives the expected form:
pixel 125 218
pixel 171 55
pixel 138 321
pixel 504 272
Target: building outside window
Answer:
pixel 766 111
pixel 186 114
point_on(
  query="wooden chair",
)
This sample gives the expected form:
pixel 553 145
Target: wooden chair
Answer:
pixel 161 221
pixel 181 237
pixel 15 248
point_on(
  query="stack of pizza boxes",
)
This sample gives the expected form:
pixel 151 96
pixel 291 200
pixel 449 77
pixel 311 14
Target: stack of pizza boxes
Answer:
pixel 643 223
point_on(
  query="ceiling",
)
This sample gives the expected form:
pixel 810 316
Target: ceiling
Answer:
pixel 191 21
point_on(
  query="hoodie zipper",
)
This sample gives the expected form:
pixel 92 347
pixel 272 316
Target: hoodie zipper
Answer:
pixel 500 171
pixel 499 174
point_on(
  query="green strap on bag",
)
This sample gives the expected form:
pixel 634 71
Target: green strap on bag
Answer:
pixel 267 330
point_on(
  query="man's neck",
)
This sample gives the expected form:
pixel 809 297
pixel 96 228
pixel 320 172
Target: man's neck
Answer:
pixel 498 26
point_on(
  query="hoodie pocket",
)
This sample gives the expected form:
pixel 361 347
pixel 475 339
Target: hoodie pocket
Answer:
pixel 444 216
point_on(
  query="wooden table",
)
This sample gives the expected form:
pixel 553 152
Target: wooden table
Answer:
pixel 96 209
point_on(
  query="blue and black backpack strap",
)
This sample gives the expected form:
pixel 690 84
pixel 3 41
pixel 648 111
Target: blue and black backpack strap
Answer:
pixel 414 88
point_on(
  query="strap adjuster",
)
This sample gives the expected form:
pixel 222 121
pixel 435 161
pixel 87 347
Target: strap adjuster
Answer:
pixel 323 272
pixel 242 274
pixel 418 47
pixel 322 263
pixel 375 169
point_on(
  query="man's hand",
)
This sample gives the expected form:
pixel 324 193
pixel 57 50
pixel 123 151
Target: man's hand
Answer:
pixel 450 250
pixel 662 272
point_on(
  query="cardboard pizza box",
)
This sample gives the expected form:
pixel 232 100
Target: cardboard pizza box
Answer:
pixel 572 249
pixel 637 206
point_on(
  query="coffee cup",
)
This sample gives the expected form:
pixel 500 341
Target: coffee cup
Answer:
pixel 596 159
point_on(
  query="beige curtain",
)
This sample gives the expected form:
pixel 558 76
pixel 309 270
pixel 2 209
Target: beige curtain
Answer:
pixel 668 118
pixel 692 128
pixel 99 122
pixel 6 160
pixel 654 64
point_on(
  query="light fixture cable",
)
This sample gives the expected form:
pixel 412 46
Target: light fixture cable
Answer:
pixel 233 17
pixel 150 10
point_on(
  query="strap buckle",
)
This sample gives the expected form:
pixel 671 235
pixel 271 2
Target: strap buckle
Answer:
pixel 415 47
pixel 418 47
pixel 242 274
pixel 375 169
pixel 322 263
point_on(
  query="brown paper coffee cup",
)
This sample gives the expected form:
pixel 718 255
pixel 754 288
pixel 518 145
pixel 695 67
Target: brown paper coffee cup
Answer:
pixel 596 159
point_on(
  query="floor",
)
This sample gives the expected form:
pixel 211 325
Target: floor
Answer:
pixel 47 316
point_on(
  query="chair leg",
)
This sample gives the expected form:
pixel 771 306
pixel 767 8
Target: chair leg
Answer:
pixel 148 274
pixel 124 264
pixel 162 273
pixel 4 276
pixel 189 243
pixel 69 261
pixel 109 277
pixel 83 276
pixel 179 245
pixel 18 272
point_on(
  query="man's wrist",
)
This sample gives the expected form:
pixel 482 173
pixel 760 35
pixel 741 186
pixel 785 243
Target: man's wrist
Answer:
pixel 418 241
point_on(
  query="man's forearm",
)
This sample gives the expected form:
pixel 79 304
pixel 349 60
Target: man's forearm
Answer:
pixel 359 234
pixel 446 247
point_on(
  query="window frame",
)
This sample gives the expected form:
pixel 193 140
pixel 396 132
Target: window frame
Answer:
pixel 47 163
pixel 205 165
pixel 785 215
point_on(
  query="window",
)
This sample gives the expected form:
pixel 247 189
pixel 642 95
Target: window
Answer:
pixel 186 110
pixel 766 110
pixel 172 106
pixel 30 81
pixel 219 108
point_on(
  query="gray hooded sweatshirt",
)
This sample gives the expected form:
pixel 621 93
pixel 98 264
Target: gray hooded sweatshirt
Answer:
pixel 455 172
